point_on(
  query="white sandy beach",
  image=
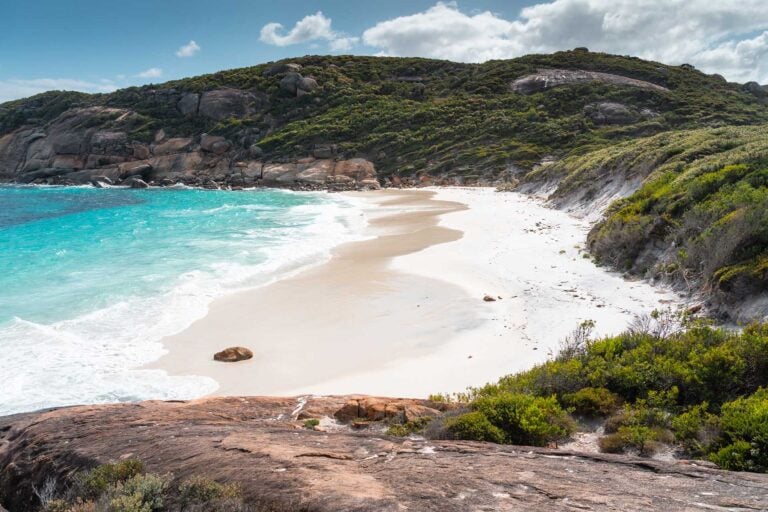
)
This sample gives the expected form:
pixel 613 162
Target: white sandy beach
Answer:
pixel 402 313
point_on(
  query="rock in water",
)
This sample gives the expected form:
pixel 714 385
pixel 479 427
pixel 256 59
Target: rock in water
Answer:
pixel 134 182
pixel 233 354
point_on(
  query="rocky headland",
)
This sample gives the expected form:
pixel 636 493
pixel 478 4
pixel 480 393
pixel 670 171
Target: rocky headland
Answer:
pixel 75 150
pixel 347 461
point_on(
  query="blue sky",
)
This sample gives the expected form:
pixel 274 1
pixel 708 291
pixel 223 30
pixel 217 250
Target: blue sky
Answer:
pixel 102 45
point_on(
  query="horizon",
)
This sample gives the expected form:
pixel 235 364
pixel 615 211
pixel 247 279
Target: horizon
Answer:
pixel 729 38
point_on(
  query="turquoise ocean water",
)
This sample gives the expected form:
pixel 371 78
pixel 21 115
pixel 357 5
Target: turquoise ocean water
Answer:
pixel 92 279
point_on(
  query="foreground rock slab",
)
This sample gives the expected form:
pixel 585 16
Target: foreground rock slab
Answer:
pixel 260 443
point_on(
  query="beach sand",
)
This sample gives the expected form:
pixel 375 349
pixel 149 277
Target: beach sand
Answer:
pixel 402 313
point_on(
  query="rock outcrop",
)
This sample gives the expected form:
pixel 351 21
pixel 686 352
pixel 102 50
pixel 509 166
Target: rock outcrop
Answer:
pixel 607 112
pixel 260 444
pixel 77 148
pixel 221 104
pixel 549 78
pixel 297 85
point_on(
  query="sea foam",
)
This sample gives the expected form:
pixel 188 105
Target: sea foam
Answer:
pixel 96 355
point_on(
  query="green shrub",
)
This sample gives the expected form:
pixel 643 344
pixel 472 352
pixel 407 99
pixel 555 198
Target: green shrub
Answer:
pixel 738 456
pixel 696 428
pixel 592 402
pixel 744 421
pixel 96 481
pixel 128 503
pixel 699 387
pixel 409 427
pixel 640 438
pixel 204 492
pixel 147 489
pixel 474 426
pixel 525 419
pixel 311 423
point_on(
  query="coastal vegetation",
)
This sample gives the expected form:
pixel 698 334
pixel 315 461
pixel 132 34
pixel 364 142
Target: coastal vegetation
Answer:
pixel 699 217
pixel 126 487
pixel 667 383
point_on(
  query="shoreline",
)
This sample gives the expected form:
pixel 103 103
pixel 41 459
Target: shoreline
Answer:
pixel 355 281
pixel 401 314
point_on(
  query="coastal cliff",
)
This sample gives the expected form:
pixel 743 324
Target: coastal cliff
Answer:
pixel 347 462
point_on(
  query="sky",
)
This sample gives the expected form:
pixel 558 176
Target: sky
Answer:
pixel 100 46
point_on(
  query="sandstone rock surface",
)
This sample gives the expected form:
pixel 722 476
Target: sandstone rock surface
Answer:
pixel 259 443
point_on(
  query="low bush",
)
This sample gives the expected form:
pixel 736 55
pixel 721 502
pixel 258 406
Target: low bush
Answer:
pixel 124 487
pixel 514 418
pixel 474 426
pixel 409 427
pixel 199 493
pixel 682 383
pixel 696 429
pixel 311 423
pixel 592 402
pixel 744 421
pixel 737 456
pixel 95 482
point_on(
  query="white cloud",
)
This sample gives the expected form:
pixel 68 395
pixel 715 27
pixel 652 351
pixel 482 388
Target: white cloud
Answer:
pixel 151 73
pixel 188 50
pixel 706 33
pixel 315 27
pixel 739 60
pixel 444 32
pixel 14 88
pixel 343 44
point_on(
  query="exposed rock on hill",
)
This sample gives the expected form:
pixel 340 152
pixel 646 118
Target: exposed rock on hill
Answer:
pixel 259 443
pixel 223 104
pixel 549 78
pixel 607 112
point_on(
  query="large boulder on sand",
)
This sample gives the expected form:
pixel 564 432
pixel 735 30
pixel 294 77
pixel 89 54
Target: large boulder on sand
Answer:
pixel 233 354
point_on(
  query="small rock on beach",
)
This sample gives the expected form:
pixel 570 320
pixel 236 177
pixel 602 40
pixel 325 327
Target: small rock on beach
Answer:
pixel 233 354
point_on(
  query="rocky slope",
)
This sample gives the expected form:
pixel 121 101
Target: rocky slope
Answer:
pixel 260 443
pixel 91 145
pixel 355 122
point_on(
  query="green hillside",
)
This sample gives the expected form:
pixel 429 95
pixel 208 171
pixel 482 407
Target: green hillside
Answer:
pixel 417 115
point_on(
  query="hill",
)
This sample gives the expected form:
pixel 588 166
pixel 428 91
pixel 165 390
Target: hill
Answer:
pixel 410 117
